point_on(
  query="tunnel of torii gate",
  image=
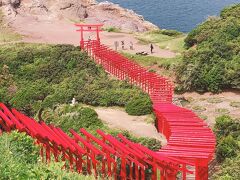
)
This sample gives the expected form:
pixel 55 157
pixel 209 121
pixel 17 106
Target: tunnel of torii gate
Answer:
pixel 190 142
pixel 190 147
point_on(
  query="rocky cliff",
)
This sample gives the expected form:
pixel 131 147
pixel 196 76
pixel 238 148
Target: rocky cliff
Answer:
pixel 88 11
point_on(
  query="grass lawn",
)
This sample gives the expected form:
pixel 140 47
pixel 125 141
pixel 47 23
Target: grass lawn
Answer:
pixel 173 42
pixel 163 66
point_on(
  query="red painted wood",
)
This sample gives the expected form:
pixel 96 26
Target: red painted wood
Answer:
pixel 190 141
pixel 189 137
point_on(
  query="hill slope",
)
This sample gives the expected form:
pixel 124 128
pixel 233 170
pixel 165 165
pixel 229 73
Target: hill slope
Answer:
pixel 35 76
pixel 213 62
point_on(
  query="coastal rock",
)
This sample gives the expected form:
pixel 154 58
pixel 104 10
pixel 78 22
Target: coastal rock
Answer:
pixel 88 11
pixel 113 15
pixel 9 7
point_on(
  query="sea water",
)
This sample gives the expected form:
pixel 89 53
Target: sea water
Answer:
pixel 181 15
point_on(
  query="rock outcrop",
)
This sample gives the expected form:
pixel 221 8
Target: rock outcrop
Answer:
pixel 89 11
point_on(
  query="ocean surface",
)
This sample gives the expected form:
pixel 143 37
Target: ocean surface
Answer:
pixel 181 15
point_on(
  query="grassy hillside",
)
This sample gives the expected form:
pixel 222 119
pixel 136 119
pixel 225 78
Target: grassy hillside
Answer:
pixel 35 76
pixel 165 39
pixel 212 61
pixel 19 160
pixel 162 66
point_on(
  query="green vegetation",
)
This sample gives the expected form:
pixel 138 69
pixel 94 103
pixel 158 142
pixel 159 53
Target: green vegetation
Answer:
pixel 151 118
pixel 6 34
pixel 227 131
pixel 166 66
pixel 166 63
pixel 204 117
pixel 212 61
pixel 44 78
pixel 214 100
pixel 165 39
pixel 35 76
pixel 112 29
pixel 222 111
pixel 199 108
pixel 20 160
pixel 139 106
pixel 75 117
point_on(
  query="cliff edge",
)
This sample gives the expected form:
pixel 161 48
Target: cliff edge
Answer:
pixel 85 11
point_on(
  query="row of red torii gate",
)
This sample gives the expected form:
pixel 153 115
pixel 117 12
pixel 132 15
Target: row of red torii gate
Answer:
pixel 190 147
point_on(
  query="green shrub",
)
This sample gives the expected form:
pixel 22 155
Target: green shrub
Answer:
pixel 22 146
pixel 230 170
pixel 173 33
pixel 167 32
pixel 112 29
pixel 227 148
pixel 213 64
pixel 150 143
pixel 225 126
pixel 227 132
pixel 231 11
pixel 44 76
pixel 19 160
pixel 139 106
pixel 55 171
pixel 73 117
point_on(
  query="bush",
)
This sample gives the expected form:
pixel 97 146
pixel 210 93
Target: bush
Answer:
pixel 213 64
pixel 150 143
pixel 139 106
pixel 73 117
pixel 173 33
pixel 225 126
pixel 227 132
pixel 42 76
pixel 19 160
pixel 230 170
pixel 227 148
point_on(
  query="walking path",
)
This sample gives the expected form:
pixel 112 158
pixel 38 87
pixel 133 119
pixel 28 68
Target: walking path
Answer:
pixel 137 125
pixel 62 32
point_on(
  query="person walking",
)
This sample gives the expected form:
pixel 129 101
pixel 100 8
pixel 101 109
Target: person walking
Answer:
pixel 116 44
pixel 131 45
pixel 151 47
pixel 122 45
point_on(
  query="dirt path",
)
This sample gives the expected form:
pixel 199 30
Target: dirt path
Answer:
pixel 63 32
pixel 209 106
pixel 137 125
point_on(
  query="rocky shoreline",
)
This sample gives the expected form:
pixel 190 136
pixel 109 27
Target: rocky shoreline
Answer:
pixel 85 11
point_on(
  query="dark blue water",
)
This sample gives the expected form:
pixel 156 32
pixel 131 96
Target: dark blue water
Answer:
pixel 182 15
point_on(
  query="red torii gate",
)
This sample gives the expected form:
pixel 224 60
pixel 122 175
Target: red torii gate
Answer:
pixel 190 141
pixel 88 28
pixel 189 137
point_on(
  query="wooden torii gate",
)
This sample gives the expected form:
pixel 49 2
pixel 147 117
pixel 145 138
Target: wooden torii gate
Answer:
pixel 89 28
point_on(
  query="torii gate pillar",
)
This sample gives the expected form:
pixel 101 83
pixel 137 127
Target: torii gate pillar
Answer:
pixel 89 28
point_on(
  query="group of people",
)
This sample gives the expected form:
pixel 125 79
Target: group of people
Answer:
pixel 116 45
